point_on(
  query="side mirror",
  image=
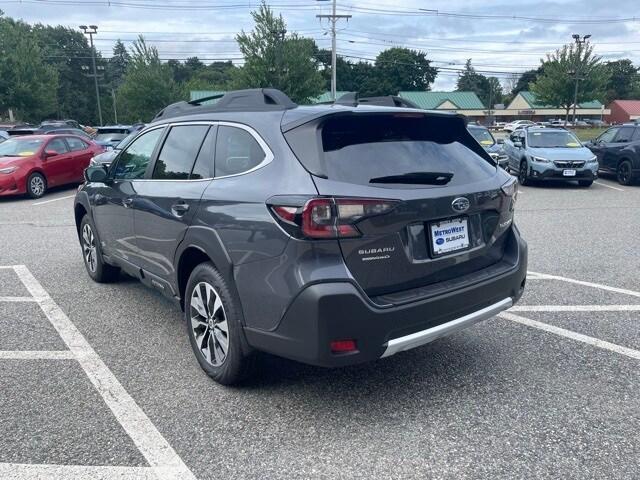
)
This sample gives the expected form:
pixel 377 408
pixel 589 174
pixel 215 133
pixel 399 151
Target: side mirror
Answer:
pixel 50 153
pixel 97 174
pixel 500 141
pixel 517 144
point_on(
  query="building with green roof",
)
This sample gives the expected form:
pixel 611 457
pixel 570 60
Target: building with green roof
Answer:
pixel 526 106
pixel 445 100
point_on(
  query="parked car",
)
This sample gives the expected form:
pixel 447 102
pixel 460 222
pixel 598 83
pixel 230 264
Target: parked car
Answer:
pixel 484 137
pixel 47 125
pixel 618 152
pixel 331 236
pixel 511 126
pixel 105 158
pixel 538 153
pixel 34 163
pixel 69 131
pixel 112 135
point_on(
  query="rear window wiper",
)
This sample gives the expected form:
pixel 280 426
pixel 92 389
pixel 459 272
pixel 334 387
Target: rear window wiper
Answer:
pixel 426 178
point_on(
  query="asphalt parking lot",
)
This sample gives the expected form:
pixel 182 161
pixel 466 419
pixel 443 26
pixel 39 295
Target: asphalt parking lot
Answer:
pixel 98 381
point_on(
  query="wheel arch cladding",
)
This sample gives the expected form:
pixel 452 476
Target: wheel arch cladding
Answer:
pixel 79 212
pixel 190 258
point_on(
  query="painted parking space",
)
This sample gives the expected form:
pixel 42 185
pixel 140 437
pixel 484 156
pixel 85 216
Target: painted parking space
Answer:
pixel 160 460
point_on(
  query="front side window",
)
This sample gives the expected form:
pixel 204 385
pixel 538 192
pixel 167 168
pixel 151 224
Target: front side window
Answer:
pixel 236 151
pixel 608 136
pixel 179 152
pixel 133 162
pixel 553 139
pixel 75 144
pixel 57 145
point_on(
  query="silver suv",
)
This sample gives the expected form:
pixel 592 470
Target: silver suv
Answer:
pixel 538 153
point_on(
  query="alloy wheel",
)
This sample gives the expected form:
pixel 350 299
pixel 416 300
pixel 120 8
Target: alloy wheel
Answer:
pixel 523 173
pixel 624 173
pixel 89 248
pixel 209 323
pixel 37 185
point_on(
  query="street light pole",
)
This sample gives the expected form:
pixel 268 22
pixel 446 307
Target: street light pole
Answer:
pixel 333 18
pixel 91 31
pixel 579 42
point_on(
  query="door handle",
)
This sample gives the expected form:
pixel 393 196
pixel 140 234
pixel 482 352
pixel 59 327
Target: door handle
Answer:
pixel 127 202
pixel 179 208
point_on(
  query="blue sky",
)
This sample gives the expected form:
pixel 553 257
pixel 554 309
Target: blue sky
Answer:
pixel 450 32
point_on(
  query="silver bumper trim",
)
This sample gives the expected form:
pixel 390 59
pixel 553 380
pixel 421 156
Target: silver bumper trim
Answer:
pixel 429 335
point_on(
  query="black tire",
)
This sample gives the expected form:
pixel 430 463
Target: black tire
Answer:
pixel 585 183
pixel 205 322
pixel 624 173
pixel 98 270
pixel 36 185
pixel 523 174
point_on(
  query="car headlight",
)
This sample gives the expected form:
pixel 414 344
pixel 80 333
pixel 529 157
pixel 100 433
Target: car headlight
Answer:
pixel 8 170
pixel 593 159
pixel 540 160
pixel 510 188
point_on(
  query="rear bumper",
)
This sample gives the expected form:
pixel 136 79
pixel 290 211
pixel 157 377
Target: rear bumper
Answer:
pixel 324 312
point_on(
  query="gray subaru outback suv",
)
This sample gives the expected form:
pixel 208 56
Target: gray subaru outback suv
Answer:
pixel 331 235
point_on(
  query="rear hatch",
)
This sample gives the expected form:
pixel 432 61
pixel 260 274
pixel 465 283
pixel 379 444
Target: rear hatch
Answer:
pixel 448 208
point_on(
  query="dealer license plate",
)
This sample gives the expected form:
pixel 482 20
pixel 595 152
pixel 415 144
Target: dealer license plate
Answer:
pixel 449 236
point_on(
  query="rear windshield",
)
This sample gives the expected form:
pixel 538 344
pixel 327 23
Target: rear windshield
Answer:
pixel 359 149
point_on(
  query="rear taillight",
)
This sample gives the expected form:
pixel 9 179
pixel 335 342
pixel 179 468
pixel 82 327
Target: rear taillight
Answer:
pixel 328 217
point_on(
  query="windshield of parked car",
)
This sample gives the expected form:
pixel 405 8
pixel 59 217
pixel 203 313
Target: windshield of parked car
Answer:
pixel 20 147
pixel 110 137
pixel 553 139
pixel 483 136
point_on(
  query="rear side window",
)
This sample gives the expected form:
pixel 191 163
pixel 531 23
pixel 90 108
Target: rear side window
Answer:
pixel 236 151
pixel 358 149
pixel 75 144
pixel 179 152
pixel 636 136
pixel 624 135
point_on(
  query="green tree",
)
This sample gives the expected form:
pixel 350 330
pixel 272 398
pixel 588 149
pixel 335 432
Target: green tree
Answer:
pixel 148 85
pixel 68 52
pixel 117 65
pixel 27 84
pixel 399 69
pixel 471 81
pixel 216 76
pixel 623 83
pixel 526 79
pixel 556 86
pixel 273 59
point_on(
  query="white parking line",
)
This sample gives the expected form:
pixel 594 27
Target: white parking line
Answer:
pixel 36 355
pixel 629 352
pixel 22 471
pixel 17 299
pixel 52 200
pixel 544 276
pixel 609 186
pixel 575 308
pixel 165 464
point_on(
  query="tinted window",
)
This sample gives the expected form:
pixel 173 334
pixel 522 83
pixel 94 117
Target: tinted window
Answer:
pixel 236 151
pixel 75 144
pixel 204 163
pixel 625 134
pixel 179 152
pixel 636 136
pixel 607 136
pixel 358 150
pixel 57 145
pixel 133 162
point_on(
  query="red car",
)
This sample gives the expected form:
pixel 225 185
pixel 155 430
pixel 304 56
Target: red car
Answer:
pixel 32 164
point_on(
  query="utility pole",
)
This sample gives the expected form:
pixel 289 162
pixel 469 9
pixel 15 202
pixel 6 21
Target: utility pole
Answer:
pixel 579 42
pixel 333 18
pixel 91 31
pixel 115 112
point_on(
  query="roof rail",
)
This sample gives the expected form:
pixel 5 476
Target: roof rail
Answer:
pixel 250 100
pixel 388 101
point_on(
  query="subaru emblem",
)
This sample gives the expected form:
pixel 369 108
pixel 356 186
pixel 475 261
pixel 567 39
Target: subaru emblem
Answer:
pixel 460 204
